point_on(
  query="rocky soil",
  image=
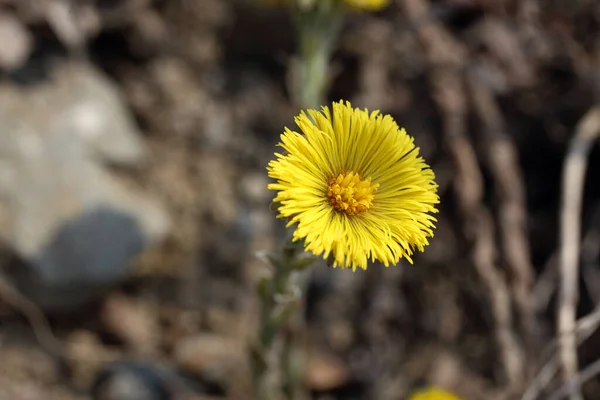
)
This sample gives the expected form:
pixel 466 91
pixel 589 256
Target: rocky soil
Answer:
pixel 134 136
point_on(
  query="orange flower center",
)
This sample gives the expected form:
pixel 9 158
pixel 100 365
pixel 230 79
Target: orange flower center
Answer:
pixel 350 194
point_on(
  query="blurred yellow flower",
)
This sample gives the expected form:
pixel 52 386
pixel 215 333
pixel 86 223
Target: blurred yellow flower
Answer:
pixel 356 187
pixel 432 393
pixel 368 5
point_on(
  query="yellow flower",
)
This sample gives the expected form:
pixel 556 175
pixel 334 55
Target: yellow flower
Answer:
pixel 356 187
pixel 432 393
pixel 368 5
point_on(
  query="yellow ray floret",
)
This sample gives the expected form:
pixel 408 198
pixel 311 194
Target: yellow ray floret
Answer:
pixel 369 5
pixel 432 393
pixel 355 186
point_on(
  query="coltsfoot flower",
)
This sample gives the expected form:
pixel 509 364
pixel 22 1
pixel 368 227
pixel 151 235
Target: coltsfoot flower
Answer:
pixel 355 186
pixel 366 5
pixel 432 393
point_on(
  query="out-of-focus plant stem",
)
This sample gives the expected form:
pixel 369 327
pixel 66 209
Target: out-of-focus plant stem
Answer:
pixel 278 364
pixel 318 24
pixel 318 29
pixel 279 299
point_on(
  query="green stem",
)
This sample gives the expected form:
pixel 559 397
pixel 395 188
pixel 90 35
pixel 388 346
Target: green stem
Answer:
pixel 318 30
pixel 277 307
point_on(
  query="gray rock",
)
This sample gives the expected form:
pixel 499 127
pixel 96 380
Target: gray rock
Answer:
pixel 16 43
pixel 134 381
pixel 138 379
pixel 85 257
pixel 94 110
pixel 75 224
pixel 81 104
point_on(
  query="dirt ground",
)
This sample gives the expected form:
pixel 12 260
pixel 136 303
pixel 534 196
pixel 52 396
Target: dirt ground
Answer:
pixel 492 90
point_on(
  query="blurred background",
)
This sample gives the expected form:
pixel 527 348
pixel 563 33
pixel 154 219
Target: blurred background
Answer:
pixel 134 136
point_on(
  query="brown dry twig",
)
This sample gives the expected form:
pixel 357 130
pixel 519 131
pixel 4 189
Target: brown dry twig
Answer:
pixel 35 317
pixel 504 165
pixel 584 328
pixel 585 375
pixel 546 285
pixel 446 58
pixel 40 325
pixel 572 191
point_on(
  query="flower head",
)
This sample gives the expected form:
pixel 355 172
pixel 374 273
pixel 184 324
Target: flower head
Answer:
pixel 356 187
pixel 432 393
pixel 368 5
